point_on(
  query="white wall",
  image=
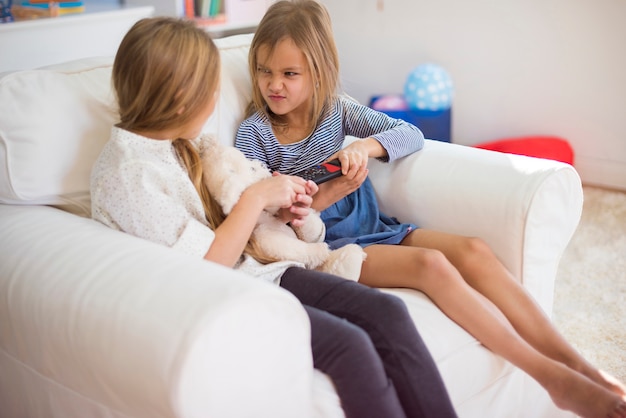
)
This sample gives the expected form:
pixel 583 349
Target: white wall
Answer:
pixel 520 67
pixel 36 43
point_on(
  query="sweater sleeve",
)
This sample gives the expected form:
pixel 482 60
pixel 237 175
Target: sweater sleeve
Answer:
pixel 399 138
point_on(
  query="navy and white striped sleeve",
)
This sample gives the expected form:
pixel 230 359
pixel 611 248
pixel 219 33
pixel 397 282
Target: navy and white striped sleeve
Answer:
pixel 399 138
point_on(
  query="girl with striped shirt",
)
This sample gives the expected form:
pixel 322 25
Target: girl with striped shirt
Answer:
pixel 297 119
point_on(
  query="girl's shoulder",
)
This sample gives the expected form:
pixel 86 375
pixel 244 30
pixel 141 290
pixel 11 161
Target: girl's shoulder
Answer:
pixel 336 107
pixel 346 99
pixel 256 129
pixel 258 118
pixel 347 102
pixel 129 151
pixel 256 124
pixel 347 107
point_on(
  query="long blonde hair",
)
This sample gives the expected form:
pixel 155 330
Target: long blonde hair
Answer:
pixel 307 23
pixel 164 72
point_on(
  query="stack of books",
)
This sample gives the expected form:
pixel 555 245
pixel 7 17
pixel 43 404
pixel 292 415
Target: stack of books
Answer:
pixel 205 9
pixel 55 8
pixel 233 12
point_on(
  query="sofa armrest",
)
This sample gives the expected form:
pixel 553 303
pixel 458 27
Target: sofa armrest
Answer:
pixel 525 208
pixel 139 329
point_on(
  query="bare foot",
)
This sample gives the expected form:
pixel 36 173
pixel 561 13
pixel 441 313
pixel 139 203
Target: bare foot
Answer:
pixel 577 393
pixel 603 379
pixel 610 382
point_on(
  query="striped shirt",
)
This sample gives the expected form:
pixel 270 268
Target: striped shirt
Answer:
pixel 256 139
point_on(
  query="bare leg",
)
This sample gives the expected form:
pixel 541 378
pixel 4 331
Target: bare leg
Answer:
pixel 429 271
pixel 483 271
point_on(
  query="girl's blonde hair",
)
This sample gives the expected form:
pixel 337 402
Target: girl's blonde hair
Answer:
pixel 307 23
pixel 165 71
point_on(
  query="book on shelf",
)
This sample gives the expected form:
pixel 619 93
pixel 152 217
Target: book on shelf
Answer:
pixel 207 8
pixel 215 12
pixel 57 8
pixel 47 2
pixel 235 12
pixel 216 7
pixel 189 8
pixel 36 9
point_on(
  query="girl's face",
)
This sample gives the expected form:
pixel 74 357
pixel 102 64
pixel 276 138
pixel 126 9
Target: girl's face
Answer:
pixel 284 79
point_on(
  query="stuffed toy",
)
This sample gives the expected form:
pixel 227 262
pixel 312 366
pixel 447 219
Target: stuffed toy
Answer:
pixel 227 173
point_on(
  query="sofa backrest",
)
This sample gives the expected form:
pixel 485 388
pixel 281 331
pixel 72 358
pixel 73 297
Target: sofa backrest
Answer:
pixel 54 121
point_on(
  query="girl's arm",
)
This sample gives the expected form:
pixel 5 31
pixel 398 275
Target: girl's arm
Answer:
pixel 396 137
pixel 233 234
pixel 382 137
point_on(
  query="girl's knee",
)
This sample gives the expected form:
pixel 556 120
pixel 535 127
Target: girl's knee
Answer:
pixel 433 264
pixel 354 344
pixel 384 303
pixel 373 306
pixel 393 307
pixel 474 253
pixel 334 339
pixel 435 274
pixel 476 247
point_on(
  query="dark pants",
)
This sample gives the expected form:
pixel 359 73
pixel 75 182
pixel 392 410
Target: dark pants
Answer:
pixel 366 342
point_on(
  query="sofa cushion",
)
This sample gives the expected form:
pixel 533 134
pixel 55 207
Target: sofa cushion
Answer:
pixel 53 124
pixel 54 121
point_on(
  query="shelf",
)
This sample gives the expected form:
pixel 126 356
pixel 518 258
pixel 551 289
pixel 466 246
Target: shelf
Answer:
pixel 220 29
pixel 90 15
pixel 35 43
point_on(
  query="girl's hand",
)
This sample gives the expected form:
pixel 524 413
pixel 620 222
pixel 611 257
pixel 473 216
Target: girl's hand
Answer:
pixel 353 159
pixel 296 214
pixel 336 189
pixel 356 155
pixel 232 235
pixel 277 191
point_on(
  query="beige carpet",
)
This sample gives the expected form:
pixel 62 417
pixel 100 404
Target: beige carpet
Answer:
pixel 590 294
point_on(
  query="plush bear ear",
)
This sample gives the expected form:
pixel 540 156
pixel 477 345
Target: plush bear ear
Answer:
pixel 227 171
pixel 206 145
pixel 226 174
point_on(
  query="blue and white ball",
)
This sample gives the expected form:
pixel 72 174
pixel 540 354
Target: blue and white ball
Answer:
pixel 428 87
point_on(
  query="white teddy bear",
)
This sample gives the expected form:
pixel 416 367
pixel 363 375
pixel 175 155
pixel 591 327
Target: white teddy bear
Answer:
pixel 227 173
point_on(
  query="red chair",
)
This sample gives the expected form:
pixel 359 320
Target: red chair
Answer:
pixel 549 147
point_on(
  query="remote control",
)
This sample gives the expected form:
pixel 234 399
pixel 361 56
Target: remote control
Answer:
pixel 322 172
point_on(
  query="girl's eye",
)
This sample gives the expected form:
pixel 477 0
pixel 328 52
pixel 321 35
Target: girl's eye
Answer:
pixel 262 70
pixel 291 74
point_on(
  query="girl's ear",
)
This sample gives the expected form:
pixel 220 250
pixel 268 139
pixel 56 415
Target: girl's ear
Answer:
pixel 180 111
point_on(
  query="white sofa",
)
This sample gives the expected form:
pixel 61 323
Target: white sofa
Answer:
pixel 97 323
